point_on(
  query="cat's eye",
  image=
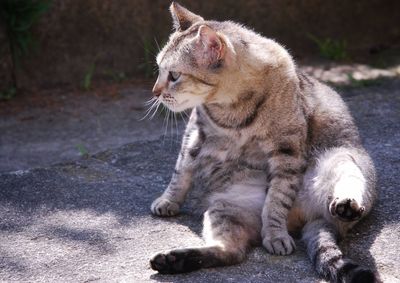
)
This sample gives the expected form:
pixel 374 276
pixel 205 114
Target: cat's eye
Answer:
pixel 173 76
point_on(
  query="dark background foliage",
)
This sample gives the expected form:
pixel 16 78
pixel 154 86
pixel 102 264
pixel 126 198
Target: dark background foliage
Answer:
pixel 80 41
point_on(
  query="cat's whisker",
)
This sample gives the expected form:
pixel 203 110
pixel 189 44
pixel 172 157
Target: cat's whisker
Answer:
pixel 183 118
pixel 173 121
pixel 166 120
pixel 155 107
pixel 171 130
pixel 150 101
pixel 149 110
pixel 146 114
pixel 172 126
pixel 155 111
pixel 165 116
pixel 176 125
pixel 187 115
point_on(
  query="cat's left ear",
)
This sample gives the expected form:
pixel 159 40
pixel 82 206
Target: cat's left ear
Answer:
pixel 210 47
pixel 182 17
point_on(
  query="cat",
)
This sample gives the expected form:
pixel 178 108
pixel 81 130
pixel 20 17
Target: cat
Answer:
pixel 267 149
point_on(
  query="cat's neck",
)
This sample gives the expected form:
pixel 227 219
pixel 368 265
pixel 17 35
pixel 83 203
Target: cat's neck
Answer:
pixel 235 116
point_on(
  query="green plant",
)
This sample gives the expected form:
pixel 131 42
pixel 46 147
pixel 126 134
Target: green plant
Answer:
pixel 331 49
pixel 82 150
pixel 19 16
pixel 87 79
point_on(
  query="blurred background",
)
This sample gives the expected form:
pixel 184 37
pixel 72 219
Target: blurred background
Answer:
pixel 59 42
pixel 74 74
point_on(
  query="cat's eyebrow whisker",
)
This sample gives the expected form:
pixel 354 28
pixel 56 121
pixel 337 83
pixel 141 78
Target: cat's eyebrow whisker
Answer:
pixel 158 46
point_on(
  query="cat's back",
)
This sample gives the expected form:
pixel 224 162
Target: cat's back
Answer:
pixel 330 123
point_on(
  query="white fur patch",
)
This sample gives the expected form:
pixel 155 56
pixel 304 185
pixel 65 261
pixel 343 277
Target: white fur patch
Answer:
pixel 350 182
pixel 250 193
pixel 335 176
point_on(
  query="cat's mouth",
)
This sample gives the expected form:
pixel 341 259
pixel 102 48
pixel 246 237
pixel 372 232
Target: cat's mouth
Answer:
pixel 172 104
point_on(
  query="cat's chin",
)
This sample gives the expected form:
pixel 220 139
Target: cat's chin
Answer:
pixel 185 105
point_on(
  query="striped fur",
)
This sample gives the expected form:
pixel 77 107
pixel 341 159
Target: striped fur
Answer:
pixel 267 150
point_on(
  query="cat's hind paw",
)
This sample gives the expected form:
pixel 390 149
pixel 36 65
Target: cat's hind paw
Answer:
pixel 164 207
pixel 177 261
pixel 346 209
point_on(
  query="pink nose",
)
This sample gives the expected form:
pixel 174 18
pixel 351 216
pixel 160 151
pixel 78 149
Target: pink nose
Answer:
pixel 156 91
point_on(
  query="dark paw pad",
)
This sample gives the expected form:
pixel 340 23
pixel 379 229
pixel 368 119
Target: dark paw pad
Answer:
pixel 177 261
pixel 346 209
pixel 362 275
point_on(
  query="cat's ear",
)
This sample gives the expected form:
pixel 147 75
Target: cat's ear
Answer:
pixel 210 47
pixel 182 17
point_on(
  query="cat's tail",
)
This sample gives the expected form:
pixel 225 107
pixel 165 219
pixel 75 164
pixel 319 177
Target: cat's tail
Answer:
pixel 190 259
pixel 320 239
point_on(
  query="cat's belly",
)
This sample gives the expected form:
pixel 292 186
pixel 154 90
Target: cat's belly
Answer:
pixel 224 164
pixel 231 180
pixel 296 219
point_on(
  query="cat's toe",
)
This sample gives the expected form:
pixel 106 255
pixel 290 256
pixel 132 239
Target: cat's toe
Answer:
pixel 164 207
pixel 279 245
pixel 346 209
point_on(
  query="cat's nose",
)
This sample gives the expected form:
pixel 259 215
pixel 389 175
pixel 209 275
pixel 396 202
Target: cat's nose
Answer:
pixel 156 91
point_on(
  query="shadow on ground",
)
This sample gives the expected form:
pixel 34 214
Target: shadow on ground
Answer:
pixel 89 220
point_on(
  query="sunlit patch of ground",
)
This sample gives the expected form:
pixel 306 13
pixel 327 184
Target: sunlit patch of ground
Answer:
pixel 350 74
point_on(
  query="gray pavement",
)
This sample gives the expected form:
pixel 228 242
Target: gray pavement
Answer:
pixel 88 220
pixel 62 125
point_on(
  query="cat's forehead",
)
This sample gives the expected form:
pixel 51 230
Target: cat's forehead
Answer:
pixel 176 44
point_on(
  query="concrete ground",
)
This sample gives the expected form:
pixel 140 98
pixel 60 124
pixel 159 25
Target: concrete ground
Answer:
pixel 47 127
pixel 88 219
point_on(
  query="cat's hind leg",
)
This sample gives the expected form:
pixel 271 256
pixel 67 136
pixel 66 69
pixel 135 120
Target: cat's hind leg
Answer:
pixel 320 239
pixel 342 185
pixel 338 191
pixel 228 230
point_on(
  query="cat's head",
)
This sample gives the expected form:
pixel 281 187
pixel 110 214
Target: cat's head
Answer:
pixel 192 63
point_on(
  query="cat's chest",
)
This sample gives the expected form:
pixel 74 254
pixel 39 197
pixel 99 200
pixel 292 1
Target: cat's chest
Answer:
pixel 239 150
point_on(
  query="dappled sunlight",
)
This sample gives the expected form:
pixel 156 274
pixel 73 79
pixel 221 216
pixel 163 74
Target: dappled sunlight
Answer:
pixel 348 74
pixel 386 240
pixel 86 146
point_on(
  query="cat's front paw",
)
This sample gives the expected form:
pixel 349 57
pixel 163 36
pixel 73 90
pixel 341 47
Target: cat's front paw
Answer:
pixel 278 243
pixel 164 207
pixel 346 209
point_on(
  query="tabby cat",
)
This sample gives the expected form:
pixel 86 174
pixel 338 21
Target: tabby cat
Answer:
pixel 268 150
